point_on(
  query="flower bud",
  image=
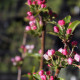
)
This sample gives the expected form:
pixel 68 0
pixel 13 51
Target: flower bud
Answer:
pixel 77 57
pixel 43 6
pixel 29 13
pixel 40 51
pixel 29 2
pixel 60 50
pixel 74 43
pixel 56 29
pixel 34 2
pixel 41 72
pixel 32 18
pixel 28 28
pixel 69 31
pixel 39 2
pixel 48 72
pixel 18 58
pixel 32 23
pixel 64 52
pixel 70 61
pixel 46 57
pixel 51 52
pixel 12 60
pixel 43 77
pixel 61 22
pixel 34 27
pixel 51 78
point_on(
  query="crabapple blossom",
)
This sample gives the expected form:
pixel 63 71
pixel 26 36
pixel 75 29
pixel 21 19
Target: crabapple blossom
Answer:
pixel 64 51
pixel 51 52
pixel 56 29
pixel 29 13
pixel 61 22
pixel 43 77
pixel 28 28
pixel 46 57
pixel 18 58
pixel 51 78
pixel 74 43
pixel 41 72
pixel 70 60
pixel 77 57
pixel 48 72
pixel 69 31
pixel 34 27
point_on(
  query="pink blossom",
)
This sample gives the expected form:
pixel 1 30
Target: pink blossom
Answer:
pixel 46 57
pixel 12 59
pixel 74 43
pixel 32 47
pixel 29 73
pixel 64 52
pixel 56 29
pixel 32 23
pixel 70 61
pixel 39 2
pixel 48 72
pixel 18 58
pixel 77 57
pixel 34 2
pixel 40 51
pixel 69 31
pixel 34 73
pixel 43 6
pixel 29 2
pixel 34 27
pixel 51 78
pixel 43 77
pixel 61 22
pixel 29 13
pixel 32 18
pixel 41 72
pixel 28 28
pixel 51 52
pixel 60 50
pixel 22 46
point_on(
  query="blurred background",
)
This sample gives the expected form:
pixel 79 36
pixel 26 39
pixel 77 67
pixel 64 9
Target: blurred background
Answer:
pixel 12 24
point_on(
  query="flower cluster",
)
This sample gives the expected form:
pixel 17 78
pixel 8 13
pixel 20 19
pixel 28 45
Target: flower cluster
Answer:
pixel 17 61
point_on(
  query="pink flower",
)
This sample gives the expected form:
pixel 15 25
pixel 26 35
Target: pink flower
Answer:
pixel 29 2
pixel 56 29
pixel 22 46
pixel 34 73
pixel 32 23
pixel 46 57
pixel 77 57
pixel 29 13
pixel 39 2
pixel 51 78
pixel 74 43
pixel 32 18
pixel 48 72
pixel 43 6
pixel 29 73
pixel 51 52
pixel 40 22
pixel 40 51
pixel 12 59
pixel 60 50
pixel 32 47
pixel 61 22
pixel 70 61
pixel 34 27
pixel 34 3
pixel 18 58
pixel 41 72
pixel 43 77
pixel 64 52
pixel 28 28
pixel 70 23
pixel 69 31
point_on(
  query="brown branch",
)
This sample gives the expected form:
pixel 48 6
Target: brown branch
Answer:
pixel 19 73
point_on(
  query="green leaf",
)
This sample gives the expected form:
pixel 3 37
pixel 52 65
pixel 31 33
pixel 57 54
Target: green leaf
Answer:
pixel 60 54
pixel 52 33
pixel 59 79
pixel 67 19
pixel 37 77
pixel 73 25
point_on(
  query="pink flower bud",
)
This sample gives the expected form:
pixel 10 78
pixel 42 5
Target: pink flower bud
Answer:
pixel 51 52
pixel 32 47
pixel 29 73
pixel 22 46
pixel 29 2
pixel 41 72
pixel 29 13
pixel 60 50
pixel 43 6
pixel 40 51
pixel 70 61
pixel 32 18
pixel 64 52
pixel 77 57
pixel 46 57
pixel 18 58
pixel 48 72
pixel 28 28
pixel 56 29
pixel 27 46
pixel 61 22
pixel 70 23
pixel 34 3
pixel 34 27
pixel 28 17
pixel 12 60
pixel 74 43
pixel 34 73
pixel 39 2
pixel 69 31
pixel 32 23
pixel 51 78
pixel 43 77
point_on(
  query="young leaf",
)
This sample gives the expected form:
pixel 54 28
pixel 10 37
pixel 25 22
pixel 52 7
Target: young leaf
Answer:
pixel 73 25
pixel 52 33
pixel 67 19
pixel 37 77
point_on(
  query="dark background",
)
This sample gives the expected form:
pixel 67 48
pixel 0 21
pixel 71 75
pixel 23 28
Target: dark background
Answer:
pixel 12 24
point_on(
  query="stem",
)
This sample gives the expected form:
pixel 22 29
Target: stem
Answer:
pixel 57 72
pixel 42 46
pixel 19 73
